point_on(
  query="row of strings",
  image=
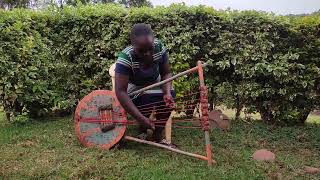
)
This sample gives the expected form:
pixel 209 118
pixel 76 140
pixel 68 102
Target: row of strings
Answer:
pixel 183 108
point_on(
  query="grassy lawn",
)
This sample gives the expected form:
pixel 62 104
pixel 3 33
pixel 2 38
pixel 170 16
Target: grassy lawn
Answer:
pixel 49 149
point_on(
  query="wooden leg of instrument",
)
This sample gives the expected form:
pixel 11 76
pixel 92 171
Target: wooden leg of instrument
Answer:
pixel 113 84
pixel 167 147
pixel 195 111
pixel 168 128
pixel 152 115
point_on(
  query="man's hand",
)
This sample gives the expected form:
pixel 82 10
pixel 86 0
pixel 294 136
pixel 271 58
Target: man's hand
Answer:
pixel 148 124
pixel 168 99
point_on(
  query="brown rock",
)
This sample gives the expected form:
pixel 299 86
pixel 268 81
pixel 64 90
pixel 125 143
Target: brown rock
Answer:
pixel 219 120
pixel 311 170
pixel 263 155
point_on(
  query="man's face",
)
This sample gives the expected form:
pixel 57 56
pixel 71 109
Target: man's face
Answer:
pixel 144 48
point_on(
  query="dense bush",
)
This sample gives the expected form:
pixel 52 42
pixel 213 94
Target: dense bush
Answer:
pixel 273 66
pixel 268 64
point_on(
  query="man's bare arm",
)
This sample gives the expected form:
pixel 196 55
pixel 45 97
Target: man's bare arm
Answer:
pixel 121 86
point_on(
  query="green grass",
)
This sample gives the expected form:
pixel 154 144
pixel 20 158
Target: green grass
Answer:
pixel 49 149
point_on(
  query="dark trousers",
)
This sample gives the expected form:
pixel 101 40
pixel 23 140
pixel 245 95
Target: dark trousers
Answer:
pixel 146 103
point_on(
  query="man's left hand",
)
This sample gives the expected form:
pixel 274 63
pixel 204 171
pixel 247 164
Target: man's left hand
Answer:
pixel 168 99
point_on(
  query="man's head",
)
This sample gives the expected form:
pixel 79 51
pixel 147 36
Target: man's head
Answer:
pixel 142 40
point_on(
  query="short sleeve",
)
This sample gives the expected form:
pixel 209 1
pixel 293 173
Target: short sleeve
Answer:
pixel 164 58
pixel 123 64
pixel 161 52
pixel 161 47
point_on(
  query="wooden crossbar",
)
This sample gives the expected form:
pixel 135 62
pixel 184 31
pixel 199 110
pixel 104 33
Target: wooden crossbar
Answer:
pixel 167 147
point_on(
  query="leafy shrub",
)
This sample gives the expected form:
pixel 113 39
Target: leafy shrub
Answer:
pixel 266 63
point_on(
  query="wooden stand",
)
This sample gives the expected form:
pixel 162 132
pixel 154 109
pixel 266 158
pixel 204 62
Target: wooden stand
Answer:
pixel 112 74
pixel 168 128
pixel 168 148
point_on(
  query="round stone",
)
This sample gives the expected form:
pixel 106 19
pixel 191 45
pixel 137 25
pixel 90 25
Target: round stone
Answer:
pixel 264 155
pixel 311 170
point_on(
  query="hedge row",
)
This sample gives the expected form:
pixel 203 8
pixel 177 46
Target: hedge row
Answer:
pixel 266 63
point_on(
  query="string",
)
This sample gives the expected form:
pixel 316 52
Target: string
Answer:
pixel 183 127
pixel 176 103
pixel 150 109
pixel 164 106
pixel 124 121
pixel 187 95
pixel 160 111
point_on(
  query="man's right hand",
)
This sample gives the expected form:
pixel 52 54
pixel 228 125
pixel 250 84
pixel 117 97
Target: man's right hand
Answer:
pixel 148 124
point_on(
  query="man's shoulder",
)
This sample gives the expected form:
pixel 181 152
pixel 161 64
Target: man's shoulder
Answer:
pixel 127 50
pixel 157 42
pixel 125 53
pixel 159 47
pixel 124 56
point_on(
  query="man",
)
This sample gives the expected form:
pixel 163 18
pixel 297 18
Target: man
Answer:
pixel 143 63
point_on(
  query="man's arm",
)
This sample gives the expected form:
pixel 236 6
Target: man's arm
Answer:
pixel 121 86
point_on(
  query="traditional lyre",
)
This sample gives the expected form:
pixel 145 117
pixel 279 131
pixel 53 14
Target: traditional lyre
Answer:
pixel 100 121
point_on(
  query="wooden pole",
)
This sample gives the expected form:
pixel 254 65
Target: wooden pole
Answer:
pixel 112 73
pixel 168 80
pixel 168 128
pixel 166 147
pixel 206 132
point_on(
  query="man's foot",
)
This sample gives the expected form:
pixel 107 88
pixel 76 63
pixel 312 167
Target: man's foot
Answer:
pixel 165 142
pixel 143 136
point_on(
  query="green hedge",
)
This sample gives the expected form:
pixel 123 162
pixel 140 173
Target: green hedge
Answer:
pixel 266 63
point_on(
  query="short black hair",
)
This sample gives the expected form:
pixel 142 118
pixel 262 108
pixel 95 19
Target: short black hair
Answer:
pixel 140 29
